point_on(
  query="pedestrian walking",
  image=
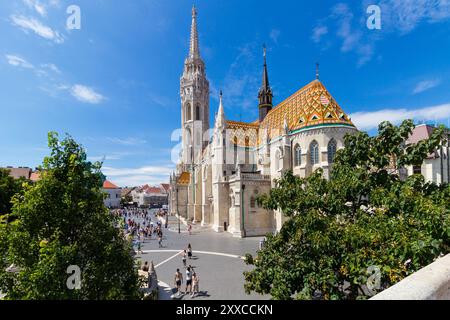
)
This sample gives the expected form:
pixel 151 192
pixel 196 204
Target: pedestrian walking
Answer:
pixel 139 247
pixel 178 281
pixel 195 284
pixel 188 280
pixel 184 258
pixel 160 240
pixel 190 228
pixel 189 251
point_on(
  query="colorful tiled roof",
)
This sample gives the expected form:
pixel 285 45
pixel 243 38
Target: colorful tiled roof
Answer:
pixel 242 133
pixel 184 178
pixel 311 106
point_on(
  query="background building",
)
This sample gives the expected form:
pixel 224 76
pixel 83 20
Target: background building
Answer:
pixel 150 196
pixel 113 192
pixel 436 167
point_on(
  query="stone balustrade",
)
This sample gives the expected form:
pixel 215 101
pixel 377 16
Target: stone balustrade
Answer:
pixel 429 283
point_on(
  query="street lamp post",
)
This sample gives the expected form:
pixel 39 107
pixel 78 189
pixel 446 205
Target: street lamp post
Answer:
pixel 178 214
pixel 243 212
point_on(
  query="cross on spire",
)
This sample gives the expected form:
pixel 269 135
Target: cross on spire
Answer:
pixel 317 70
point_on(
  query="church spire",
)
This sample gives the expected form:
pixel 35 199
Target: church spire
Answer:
pixel 194 50
pixel 265 93
pixel 265 80
pixel 220 118
pixel 317 71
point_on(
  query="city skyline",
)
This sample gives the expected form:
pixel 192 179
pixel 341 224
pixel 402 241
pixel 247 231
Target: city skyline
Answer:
pixel 126 111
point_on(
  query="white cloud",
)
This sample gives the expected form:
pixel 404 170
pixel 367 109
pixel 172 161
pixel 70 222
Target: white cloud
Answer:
pixel 426 85
pixel 127 141
pixel 108 157
pixel 51 67
pixel 405 16
pixel 138 176
pixel 86 94
pixel 397 17
pixel 18 61
pixel 243 76
pixel 351 38
pixel 274 34
pixel 36 5
pixel 31 24
pixel 370 120
pixel 318 32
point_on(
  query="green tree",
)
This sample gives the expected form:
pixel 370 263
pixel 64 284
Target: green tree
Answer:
pixel 364 222
pixel 8 188
pixel 62 221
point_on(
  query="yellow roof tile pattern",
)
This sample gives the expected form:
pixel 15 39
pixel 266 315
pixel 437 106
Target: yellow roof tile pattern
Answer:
pixel 243 134
pixel 184 179
pixel 310 106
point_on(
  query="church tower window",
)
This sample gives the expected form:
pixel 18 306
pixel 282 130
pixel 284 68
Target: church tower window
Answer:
pixel 197 112
pixel 188 112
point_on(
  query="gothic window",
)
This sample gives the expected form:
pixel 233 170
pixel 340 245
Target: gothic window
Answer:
pixel 314 152
pixel 188 112
pixel 297 156
pixel 331 150
pixel 197 112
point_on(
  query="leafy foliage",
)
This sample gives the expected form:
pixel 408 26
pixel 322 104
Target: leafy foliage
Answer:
pixel 365 216
pixel 8 188
pixel 62 221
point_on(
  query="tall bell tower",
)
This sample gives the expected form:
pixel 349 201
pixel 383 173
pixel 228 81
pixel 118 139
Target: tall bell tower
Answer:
pixel 194 93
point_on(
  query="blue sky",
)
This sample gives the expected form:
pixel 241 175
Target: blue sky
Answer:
pixel 114 84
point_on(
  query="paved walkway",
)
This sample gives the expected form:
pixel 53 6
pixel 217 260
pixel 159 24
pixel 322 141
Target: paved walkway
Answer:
pixel 217 258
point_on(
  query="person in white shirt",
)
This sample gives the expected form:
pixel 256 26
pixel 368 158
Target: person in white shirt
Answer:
pixel 188 280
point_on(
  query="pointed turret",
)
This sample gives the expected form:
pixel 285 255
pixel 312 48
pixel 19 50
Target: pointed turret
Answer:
pixel 220 118
pixel 194 50
pixel 265 93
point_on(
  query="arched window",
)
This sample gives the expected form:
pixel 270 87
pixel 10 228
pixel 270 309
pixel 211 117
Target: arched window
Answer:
pixel 297 156
pixel 247 150
pixel 331 150
pixel 197 112
pixel 188 112
pixel 314 152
